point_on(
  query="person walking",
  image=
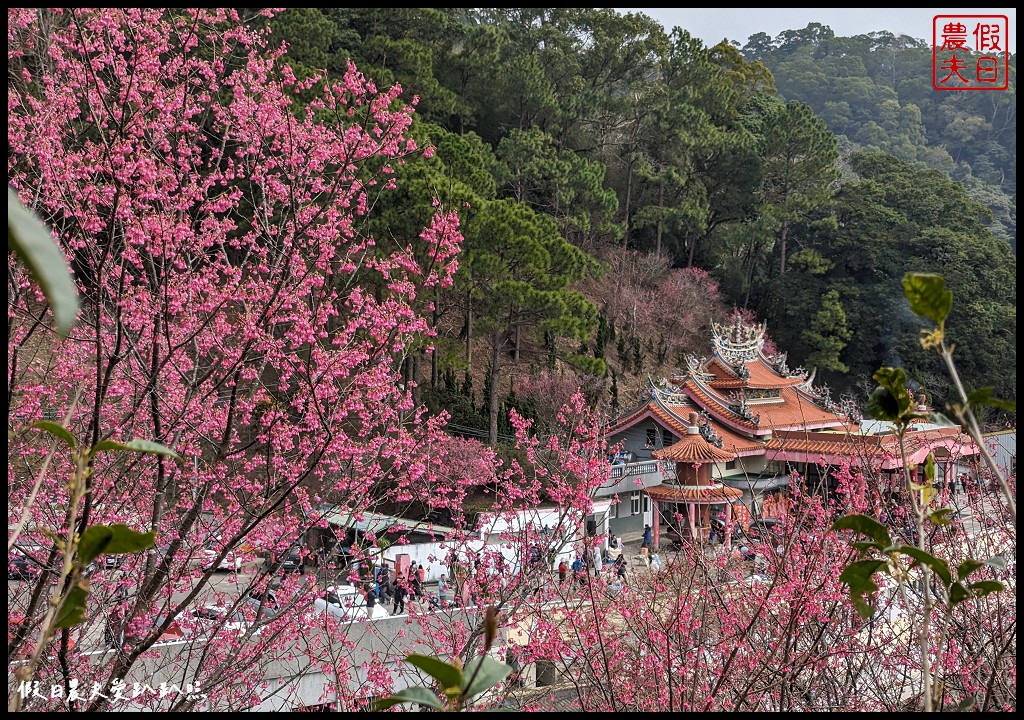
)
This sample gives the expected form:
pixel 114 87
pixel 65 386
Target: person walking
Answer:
pixel 384 583
pixel 400 592
pixel 442 590
pixel 410 581
pixel 648 538
pixel 577 569
pixel 563 571
pixel 371 599
pixel 416 589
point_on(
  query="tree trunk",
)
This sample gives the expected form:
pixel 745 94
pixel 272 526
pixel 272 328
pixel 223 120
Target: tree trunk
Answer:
pixel 625 237
pixel 416 363
pixel 750 273
pixel 469 330
pixel 661 216
pixel 515 354
pixel 782 247
pixel 433 352
pixel 492 431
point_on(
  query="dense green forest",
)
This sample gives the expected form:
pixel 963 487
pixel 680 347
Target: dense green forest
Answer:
pixel 623 185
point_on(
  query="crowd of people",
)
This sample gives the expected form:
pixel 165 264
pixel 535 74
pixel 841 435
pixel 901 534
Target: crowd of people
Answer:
pixel 610 561
pixel 396 590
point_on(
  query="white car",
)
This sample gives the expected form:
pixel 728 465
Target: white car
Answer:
pixel 233 561
pixel 345 602
pixel 208 619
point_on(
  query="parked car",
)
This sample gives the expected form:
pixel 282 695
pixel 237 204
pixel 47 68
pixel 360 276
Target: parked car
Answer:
pixel 264 603
pixel 347 603
pixel 294 560
pixel 19 567
pixel 25 561
pixel 209 619
pixel 233 561
pixel 718 524
pixel 766 530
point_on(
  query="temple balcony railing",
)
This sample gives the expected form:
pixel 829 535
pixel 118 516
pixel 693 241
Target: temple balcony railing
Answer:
pixel 629 477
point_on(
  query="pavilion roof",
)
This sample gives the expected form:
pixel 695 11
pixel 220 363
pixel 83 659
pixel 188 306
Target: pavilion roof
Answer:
pixel 693 449
pixel 706 494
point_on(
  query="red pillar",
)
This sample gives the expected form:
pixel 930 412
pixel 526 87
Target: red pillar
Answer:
pixel 657 521
pixel 728 526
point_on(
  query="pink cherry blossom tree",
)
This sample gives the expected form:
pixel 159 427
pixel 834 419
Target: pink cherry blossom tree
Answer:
pixel 232 308
pixel 712 631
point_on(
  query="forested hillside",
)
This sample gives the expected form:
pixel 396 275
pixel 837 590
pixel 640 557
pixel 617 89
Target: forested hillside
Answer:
pixel 620 185
pixel 875 93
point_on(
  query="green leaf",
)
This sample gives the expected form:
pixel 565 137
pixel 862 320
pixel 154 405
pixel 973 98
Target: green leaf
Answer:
pixel 958 593
pixel 983 396
pixel 928 296
pixel 967 567
pixel 892 379
pixel 33 243
pixel 865 526
pixel 929 468
pixel 941 516
pixel 938 566
pixel 447 675
pixel 418 695
pixel 984 587
pixel 858 576
pixel 864 547
pixel 883 405
pixel 114 539
pixel 135 445
pixel 488 672
pixel 55 428
pixel 72 611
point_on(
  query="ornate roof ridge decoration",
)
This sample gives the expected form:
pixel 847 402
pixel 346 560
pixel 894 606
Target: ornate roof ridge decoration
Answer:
pixel 668 394
pixel 738 405
pixel 707 431
pixel 778 363
pixel 741 371
pixel 713 393
pixel 822 397
pixel 737 343
pixel 809 377
pixel 712 398
pixel 695 367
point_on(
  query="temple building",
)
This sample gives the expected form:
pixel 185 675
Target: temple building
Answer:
pixel 757 423
pixel 690 492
